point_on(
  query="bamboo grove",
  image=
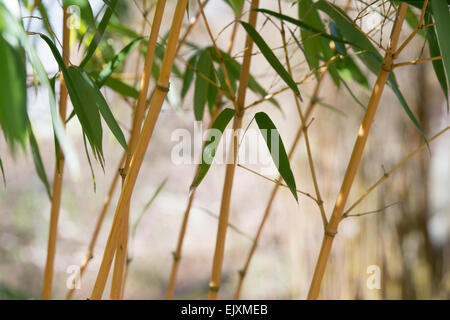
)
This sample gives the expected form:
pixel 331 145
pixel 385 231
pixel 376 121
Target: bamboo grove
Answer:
pixel 215 84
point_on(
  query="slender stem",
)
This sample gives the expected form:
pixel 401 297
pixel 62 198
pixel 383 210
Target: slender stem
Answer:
pixel 216 273
pixel 121 253
pixel 178 251
pixel 415 62
pixel 58 175
pixel 356 154
pixel 161 90
pixel 395 168
pixel 308 113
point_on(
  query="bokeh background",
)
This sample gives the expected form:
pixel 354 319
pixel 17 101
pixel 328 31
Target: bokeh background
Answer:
pixel 409 241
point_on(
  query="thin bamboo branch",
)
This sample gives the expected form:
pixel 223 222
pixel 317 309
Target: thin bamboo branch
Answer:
pixel 121 253
pixel 304 125
pixel 216 273
pixel 162 88
pixel 58 174
pixel 355 159
pixel 415 62
pixel 395 168
pixel 308 113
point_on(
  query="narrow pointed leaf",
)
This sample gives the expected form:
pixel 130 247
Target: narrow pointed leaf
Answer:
pixel 203 67
pixel 277 150
pixel 212 142
pixel 270 57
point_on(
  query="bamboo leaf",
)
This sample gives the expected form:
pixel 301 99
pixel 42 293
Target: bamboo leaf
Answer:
pixel 270 57
pixel 188 75
pixel 99 31
pixel 438 65
pixel 442 18
pixel 236 5
pixel 92 96
pixel 85 10
pixel 14 28
pixel 114 63
pixel 3 172
pixel 13 94
pixel 277 150
pixel 122 88
pixel 212 142
pixel 37 159
pixel 203 67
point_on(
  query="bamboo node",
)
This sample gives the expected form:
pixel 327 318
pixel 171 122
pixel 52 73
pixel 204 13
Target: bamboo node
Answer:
pixel 162 88
pixel 176 256
pixel 214 288
pixel 329 233
pixel 242 273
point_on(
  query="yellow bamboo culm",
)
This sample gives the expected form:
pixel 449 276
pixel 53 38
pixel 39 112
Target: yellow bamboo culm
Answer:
pixel 121 253
pixel 355 159
pixel 216 273
pixel 58 174
pixel 162 88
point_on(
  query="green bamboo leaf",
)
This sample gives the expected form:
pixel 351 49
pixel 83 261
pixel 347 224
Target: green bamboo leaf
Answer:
pixel 236 5
pixel 212 142
pixel 204 65
pixel 37 159
pixel 11 26
pixel 122 88
pixel 13 94
pixel 442 18
pixel 98 35
pixel 438 65
pixel 89 162
pixel 114 63
pixel 277 150
pixel 92 96
pixel 213 91
pixel 188 75
pixel 270 57
pixel 85 10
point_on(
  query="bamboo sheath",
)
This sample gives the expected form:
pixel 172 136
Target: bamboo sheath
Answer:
pixel 121 253
pixel 58 174
pixel 216 273
pixel 138 155
pixel 355 159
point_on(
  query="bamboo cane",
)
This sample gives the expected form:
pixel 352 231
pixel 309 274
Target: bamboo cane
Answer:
pixel 214 284
pixel 121 253
pixel 177 253
pixel 355 159
pixel 58 174
pixel 138 155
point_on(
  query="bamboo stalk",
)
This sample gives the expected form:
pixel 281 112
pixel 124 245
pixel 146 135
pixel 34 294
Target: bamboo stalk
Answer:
pixel 355 159
pixel 58 174
pixel 138 155
pixel 308 113
pixel 216 273
pixel 121 253
pixel 178 251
